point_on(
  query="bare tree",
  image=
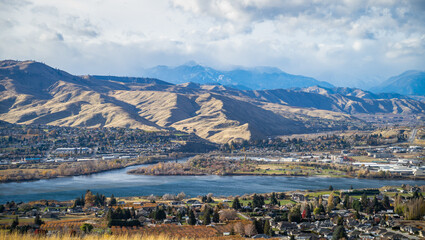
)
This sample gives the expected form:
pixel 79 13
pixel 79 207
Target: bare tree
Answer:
pixel 250 230
pixel 239 228
pixel 151 198
pixel 181 196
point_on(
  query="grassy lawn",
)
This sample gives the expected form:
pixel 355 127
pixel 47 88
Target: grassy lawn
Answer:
pixel 366 159
pixel 321 193
pixel 282 202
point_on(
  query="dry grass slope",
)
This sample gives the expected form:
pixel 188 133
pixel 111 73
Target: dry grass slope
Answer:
pixel 34 93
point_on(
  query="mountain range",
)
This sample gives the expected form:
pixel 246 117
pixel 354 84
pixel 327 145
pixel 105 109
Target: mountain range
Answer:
pixel 408 83
pixel 244 79
pixel 34 93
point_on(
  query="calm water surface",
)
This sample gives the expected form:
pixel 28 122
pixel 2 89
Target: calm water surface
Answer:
pixel 119 183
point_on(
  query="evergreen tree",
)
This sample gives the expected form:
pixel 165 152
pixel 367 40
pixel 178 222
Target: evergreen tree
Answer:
pixel 113 200
pixel 364 201
pixel 159 214
pixel 376 205
pixel 207 218
pixel 339 233
pixel 14 224
pixel 109 217
pixel 295 214
pixel 216 217
pixel 346 202
pixel 386 202
pixel 192 218
pixel 236 204
pixel 267 228
pixel 259 226
pixel 37 220
pixel 257 201
pixel 273 199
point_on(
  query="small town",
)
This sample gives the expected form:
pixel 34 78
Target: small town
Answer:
pixel 385 213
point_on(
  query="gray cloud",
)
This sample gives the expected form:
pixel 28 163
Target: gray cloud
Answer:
pixel 342 41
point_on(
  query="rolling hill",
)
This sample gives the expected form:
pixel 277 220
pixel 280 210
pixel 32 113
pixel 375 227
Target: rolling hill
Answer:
pixel 34 93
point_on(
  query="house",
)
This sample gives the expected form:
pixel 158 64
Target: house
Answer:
pixel 193 201
pixel 286 226
pixel 365 236
pixel 298 197
pixel 325 232
pixel 306 236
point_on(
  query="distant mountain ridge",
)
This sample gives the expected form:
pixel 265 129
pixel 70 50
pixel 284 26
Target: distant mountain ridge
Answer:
pixel 34 93
pixel 408 83
pixel 258 78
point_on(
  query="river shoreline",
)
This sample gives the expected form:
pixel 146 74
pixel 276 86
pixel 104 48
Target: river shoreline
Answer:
pixel 147 162
pixel 283 175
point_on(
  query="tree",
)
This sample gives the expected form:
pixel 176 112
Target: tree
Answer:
pixel 216 217
pixel 375 205
pixel 346 202
pixel 273 199
pixel 306 212
pixel 364 201
pixel 357 205
pixel 259 226
pixel 86 228
pixel 319 210
pixel 14 224
pixel 339 233
pixel 89 199
pixel 267 228
pixel 257 201
pixel 295 214
pixel 236 204
pixel 386 202
pixel 181 196
pixel 250 230
pixel 113 200
pixel 159 214
pixel 207 218
pixel 109 217
pixel 192 218
pixel 331 202
pixel 37 220
pixel 210 200
pixel 239 228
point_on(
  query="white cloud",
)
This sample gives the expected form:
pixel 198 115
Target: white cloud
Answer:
pixel 334 40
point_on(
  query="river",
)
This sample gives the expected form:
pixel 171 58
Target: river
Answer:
pixel 119 183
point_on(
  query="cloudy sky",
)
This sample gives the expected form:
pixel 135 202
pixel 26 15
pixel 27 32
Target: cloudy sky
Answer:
pixel 345 42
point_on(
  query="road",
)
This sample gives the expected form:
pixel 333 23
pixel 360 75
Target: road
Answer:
pixel 413 135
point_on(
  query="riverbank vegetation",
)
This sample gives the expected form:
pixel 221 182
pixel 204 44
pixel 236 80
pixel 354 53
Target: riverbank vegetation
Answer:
pixel 28 172
pixel 211 165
